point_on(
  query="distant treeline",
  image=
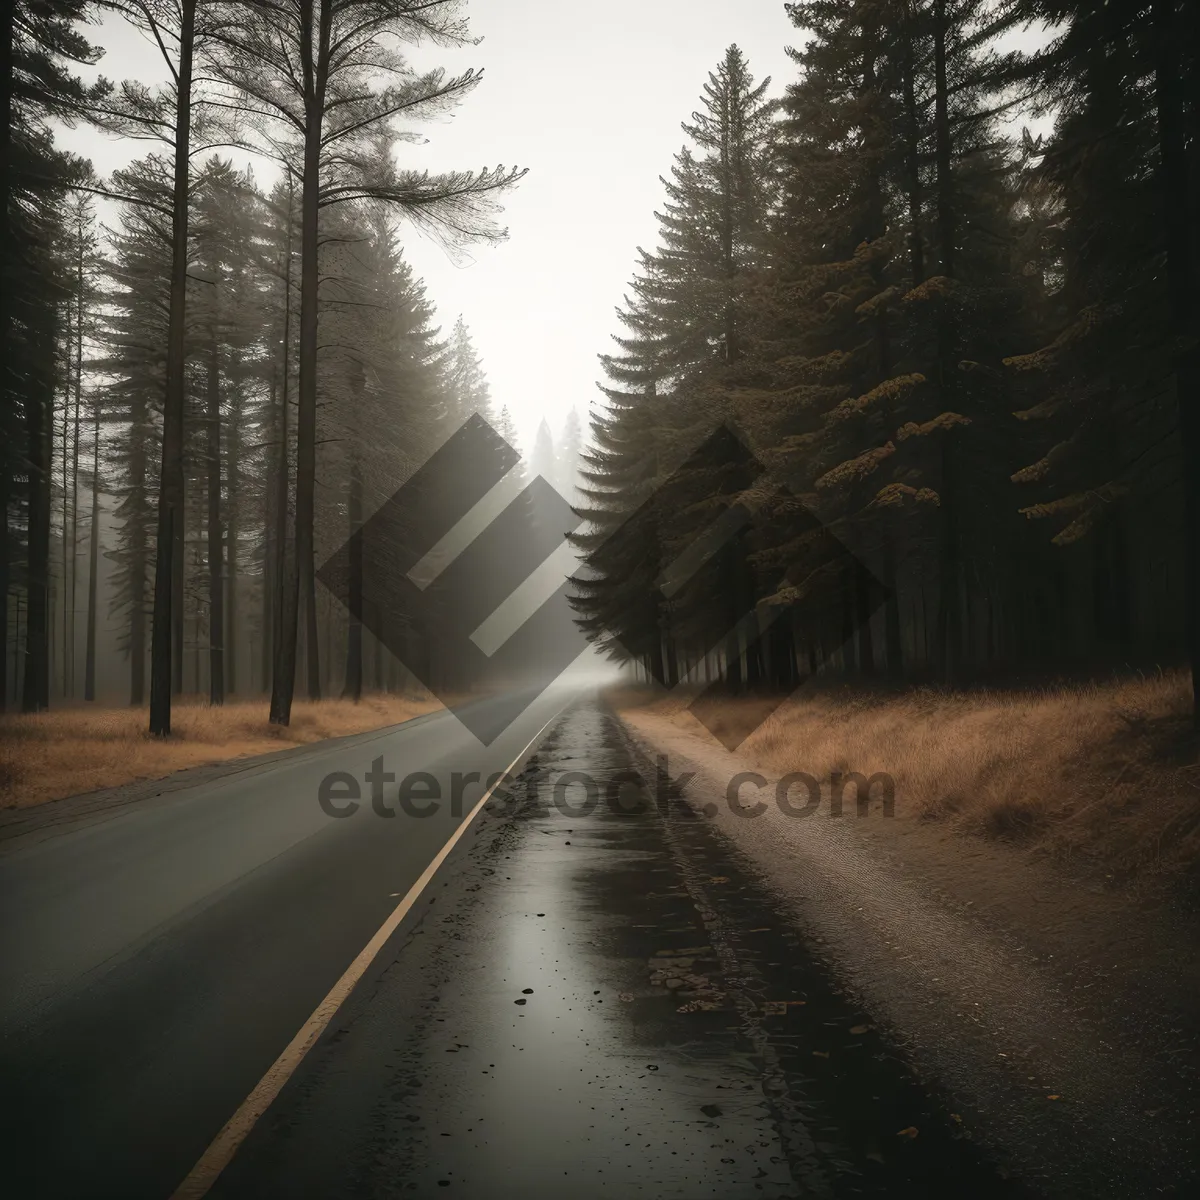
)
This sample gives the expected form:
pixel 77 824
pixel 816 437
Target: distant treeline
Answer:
pixel 959 364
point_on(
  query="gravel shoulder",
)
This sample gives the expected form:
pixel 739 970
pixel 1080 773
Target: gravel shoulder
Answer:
pixel 1058 1014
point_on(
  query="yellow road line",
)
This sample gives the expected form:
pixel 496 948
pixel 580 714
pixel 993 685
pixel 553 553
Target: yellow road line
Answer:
pixel 224 1146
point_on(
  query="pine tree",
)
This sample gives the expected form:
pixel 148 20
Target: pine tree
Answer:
pixel 83 263
pixel 133 355
pixel 333 82
pixel 885 388
pixel 545 457
pixel 685 314
pixel 569 454
pixel 41 44
pixel 466 384
pixel 170 114
pixel 1112 390
pixel 224 223
pixel 383 386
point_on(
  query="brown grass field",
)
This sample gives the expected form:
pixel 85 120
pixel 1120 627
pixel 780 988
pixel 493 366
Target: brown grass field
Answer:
pixel 46 756
pixel 1106 771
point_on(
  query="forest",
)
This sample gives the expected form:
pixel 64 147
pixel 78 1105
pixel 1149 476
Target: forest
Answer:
pixel 942 370
pixel 171 405
pixel 956 362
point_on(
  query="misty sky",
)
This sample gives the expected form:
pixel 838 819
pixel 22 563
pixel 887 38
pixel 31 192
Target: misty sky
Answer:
pixel 589 97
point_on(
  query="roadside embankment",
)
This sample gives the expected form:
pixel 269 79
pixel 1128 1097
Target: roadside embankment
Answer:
pixel 1051 998
pixel 1107 773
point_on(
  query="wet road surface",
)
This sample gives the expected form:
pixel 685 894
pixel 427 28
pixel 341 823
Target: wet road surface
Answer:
pixel 156 958
pixel 597 1004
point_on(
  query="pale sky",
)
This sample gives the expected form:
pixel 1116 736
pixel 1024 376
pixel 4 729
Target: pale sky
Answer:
pixel 589 97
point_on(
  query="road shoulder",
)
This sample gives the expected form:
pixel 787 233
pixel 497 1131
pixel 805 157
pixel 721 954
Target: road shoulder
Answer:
pixel 46 819
pixel 1078 1057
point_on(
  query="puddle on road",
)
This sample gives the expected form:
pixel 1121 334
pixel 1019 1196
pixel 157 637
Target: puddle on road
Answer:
pixel 627 1014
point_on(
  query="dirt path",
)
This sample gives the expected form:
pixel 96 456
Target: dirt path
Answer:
pixel 1059 1018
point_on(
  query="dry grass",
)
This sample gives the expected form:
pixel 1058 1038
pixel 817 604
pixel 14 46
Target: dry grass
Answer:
pixel 1107 771
pixel 46 756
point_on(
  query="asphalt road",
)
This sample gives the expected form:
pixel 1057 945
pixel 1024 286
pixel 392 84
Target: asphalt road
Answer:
pixel 156 958
pixel 603 1002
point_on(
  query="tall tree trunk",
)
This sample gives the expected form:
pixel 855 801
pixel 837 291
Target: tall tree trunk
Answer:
pixel 216 547
pixel 876 227
pixel 782 652
pixel 849 613
pixel 138 560
pixel 1177 192
pixel 671 664
pixel 6 464
pixel 8 455
pixel 329 624
pixel 306 425
pixel 62 593
pixel 89 654
pixel 178 599
pixel 949 611
pixel 170 496
pixel 272 539
pixel 5 555
pixel 197 655
pixel 312 643
pixel 283 667
pixel 78 372
pixel 233 459
pixel 266 597
pixel 377 656
pixel 316 62
pixel 352 689
pixel 39 433
pixel 863 584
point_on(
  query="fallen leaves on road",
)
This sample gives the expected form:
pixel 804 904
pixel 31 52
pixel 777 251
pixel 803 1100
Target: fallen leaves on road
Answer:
pixel 700 1006
pixel 778 1008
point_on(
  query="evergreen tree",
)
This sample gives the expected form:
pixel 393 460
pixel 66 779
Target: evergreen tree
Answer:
pixel 686 313
pixel 1111 394
pixel 545 461
pixel 42 43
pixel 333 81
pixel 569 455
pixel 466 384
pixel 133 357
